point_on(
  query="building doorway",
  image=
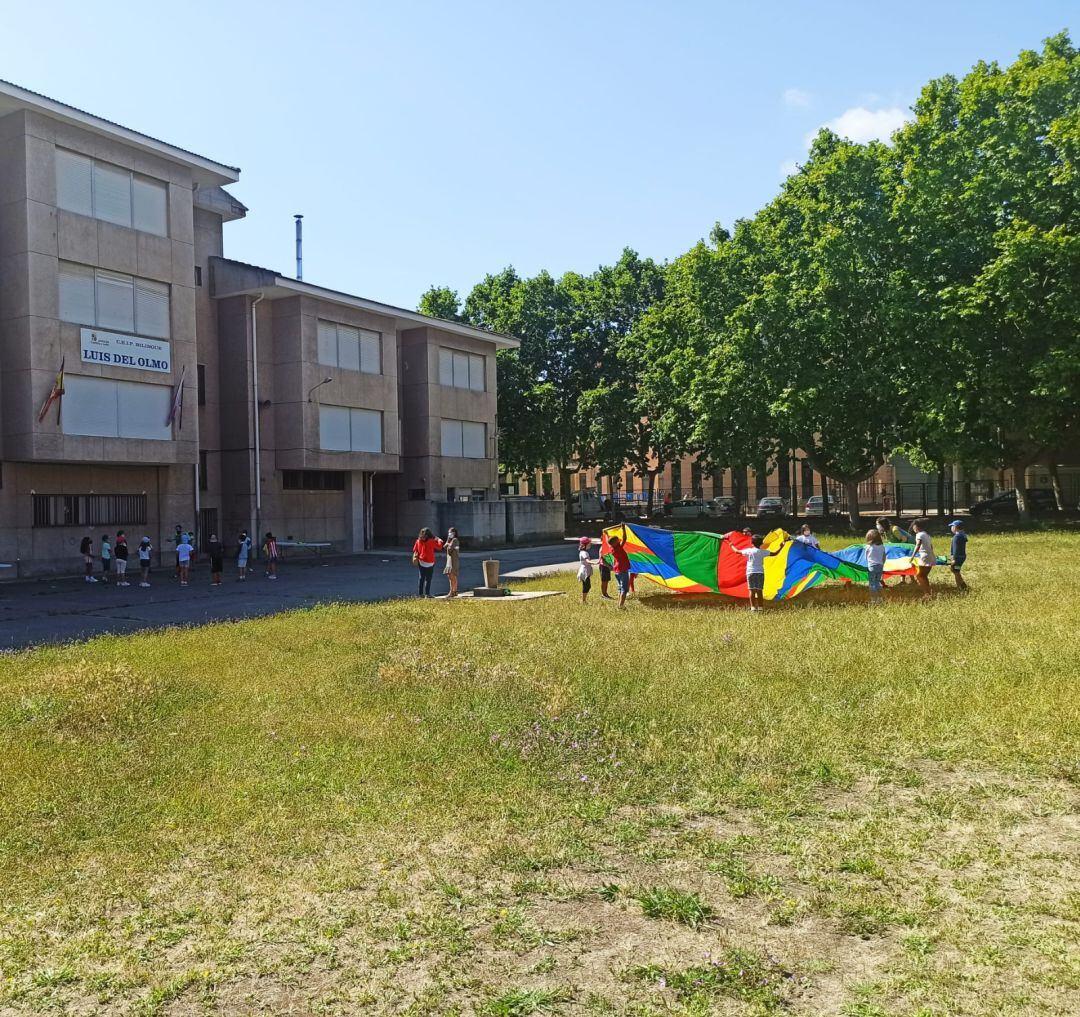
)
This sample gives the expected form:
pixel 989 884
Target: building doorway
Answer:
pixel 208 526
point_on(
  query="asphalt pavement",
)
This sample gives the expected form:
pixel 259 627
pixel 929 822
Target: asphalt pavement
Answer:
pixel 46 611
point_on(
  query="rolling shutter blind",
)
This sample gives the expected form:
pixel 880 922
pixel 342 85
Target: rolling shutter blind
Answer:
pixel 461 370
pixel 472 440
pixel 74 182
pixel 370 352
pixel 327 344
pixel 115 302
pixel 112 194
pixel 366 430
pixel 142 410
pixel 476 373
pixel 89 407
pixel 446 367
pixel 334 428
pixel 348 339
pixel 451 438
pixel 150 199
pixel 77 294
pixel 152 309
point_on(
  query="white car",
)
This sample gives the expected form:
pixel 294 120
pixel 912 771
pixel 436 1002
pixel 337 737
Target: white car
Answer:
pixel 693 508
pixel 771 507
pixel 815 506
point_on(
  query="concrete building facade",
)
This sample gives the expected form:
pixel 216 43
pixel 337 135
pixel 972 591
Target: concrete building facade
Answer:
pixel 200 391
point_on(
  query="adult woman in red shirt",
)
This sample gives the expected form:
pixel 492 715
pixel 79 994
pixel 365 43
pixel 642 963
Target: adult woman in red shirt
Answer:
pixel 423 556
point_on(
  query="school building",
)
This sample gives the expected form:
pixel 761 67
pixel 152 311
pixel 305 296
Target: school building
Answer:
pixel 201 391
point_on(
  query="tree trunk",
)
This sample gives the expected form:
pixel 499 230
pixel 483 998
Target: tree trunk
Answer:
pixel 941 490
pixel 1055 480
pixel 1023 511
pixel 824 495
pixel 851 489
pixel 567 495
pixel 651 480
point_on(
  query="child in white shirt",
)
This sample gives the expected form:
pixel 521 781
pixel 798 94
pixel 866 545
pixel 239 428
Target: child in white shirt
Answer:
pixel 875 561
pixel 924 558
pixel 585 567
pixel 755 569
pixel 183 557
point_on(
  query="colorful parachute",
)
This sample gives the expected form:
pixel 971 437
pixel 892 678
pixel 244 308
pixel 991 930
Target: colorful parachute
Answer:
pixel 696 562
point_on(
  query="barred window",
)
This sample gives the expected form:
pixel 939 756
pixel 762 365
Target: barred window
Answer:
pixel 312 480
pixel 89 509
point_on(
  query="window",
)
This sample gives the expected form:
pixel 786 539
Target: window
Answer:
pixel 204 466
pixel 89 509
pixel 110 193
pixel 348 429
pixel 201 371
pixel 106 408
pixel 628 482
pixel 695 479
pixel 458 369
pixel 113 301
pixel 313 480
pixel 479 494
pixel 464 439
pixel 198 275
pixel 354 349
pixel 417 494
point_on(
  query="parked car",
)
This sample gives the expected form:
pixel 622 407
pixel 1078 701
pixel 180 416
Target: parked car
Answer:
pixel 692 508
pixel 815 506
pixel 723 505
pixel 771 507
pixel 1040 499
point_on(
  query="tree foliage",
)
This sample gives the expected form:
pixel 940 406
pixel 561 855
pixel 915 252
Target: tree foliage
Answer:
pixel 919 296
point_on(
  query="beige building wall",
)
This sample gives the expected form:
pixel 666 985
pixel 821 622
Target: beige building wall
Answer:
pixel 35 236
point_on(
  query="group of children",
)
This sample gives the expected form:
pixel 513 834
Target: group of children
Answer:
pixel 885 532
pixel 114 557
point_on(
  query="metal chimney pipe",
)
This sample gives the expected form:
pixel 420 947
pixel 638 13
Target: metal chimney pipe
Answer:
pixel 299 246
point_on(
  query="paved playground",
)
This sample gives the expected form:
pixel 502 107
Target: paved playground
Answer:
pixel 40 612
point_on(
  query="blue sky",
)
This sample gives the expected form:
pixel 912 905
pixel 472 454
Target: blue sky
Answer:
pixel 432 142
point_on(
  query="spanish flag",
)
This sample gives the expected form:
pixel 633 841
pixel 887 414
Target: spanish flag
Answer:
pixel 176 408
pixel 55 394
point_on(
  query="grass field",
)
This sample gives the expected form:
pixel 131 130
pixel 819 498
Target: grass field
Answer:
pixel 443 808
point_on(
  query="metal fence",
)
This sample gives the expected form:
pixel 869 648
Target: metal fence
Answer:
pixel 875 498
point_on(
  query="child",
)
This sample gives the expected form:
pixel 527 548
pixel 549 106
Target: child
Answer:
pixel 755 568
pixel 86 549
pixel 585 567
pixel 621 567
pixel 806 536
pixel 121 552
pixel 183 552
pixel 875 561
pixel 243 551
pixel 270 550
pixel 106 558
pixel 923 559
pixel 217 555
pixel 892 534
pixel 145 550
pixel 178 539
pixel 605 579
pixel 958 552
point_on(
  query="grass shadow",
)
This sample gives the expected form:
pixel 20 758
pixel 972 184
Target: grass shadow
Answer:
pixel 830 596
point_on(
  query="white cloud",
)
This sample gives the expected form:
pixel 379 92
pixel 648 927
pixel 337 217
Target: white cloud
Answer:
pixel 862 125
pixel 797 97
pixel 789 166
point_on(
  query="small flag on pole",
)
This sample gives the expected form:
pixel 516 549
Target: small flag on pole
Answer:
pixel 176 410
pixel 56 394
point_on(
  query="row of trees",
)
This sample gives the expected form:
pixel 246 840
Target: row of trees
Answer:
pixel 921 296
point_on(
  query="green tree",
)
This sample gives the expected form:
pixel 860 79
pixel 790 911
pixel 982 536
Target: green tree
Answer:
pixel 801 358
pixel 441 302
pixel 988 201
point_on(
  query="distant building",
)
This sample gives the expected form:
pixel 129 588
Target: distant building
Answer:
pixel 202 392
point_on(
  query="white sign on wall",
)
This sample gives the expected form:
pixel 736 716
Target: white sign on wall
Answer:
pixel 118 350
